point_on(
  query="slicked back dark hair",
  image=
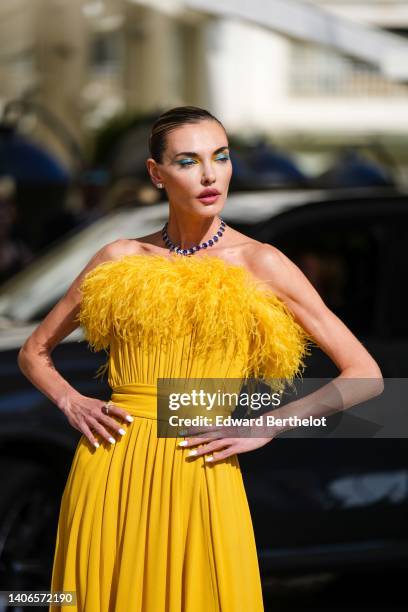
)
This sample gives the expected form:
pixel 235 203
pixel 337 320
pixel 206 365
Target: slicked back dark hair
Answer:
pixel 170 120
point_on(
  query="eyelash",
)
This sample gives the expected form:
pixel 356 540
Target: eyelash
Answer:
pixel 185 163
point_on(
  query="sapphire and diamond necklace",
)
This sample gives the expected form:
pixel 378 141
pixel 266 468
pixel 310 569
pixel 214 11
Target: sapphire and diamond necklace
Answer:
pixel 204 245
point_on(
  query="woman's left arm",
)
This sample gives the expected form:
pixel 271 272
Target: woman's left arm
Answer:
pixel 335 339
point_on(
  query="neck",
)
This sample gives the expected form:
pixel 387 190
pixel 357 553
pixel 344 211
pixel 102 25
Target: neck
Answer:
pixel 189 232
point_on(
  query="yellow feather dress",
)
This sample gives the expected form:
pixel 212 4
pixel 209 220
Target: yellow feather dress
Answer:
pixel 141 527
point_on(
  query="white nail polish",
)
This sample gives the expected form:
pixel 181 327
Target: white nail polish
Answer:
pixel 122 432
pixel 96 444
pixel 192 453
pixel 112 440
pixel 209 458
pixel 129 418
pixel 183 443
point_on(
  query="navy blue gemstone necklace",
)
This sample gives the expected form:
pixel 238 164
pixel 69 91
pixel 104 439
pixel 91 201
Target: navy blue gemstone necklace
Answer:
pixel 204 245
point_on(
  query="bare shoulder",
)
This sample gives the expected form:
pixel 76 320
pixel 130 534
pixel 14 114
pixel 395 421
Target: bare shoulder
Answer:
pixel 109 252
pixel 116 250
pixel 272 267
pixel 112 251
pixel 264 259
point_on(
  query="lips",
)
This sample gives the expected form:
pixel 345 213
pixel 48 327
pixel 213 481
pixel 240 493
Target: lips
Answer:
pixel 208 193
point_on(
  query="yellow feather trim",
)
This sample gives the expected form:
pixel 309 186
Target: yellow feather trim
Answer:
pixel 153 299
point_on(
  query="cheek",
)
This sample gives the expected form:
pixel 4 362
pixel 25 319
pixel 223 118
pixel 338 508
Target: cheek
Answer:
pixel 184 179
pixel 228 172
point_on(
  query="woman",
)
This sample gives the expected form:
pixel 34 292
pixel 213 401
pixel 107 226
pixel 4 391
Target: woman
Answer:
pixel 147 523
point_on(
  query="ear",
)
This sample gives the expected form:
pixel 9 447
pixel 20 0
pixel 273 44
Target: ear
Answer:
pixel 153 171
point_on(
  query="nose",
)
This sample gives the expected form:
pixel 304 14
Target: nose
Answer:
pixel 208 176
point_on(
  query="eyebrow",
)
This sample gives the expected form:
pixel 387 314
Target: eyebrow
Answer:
pixel 194 154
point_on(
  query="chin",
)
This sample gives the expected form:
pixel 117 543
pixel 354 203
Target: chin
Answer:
pixel 210 209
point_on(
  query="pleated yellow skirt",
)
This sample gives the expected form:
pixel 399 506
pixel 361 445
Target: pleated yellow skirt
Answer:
pixel 144 528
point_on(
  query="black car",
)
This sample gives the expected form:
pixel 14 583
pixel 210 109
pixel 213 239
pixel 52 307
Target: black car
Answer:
pixel 317 504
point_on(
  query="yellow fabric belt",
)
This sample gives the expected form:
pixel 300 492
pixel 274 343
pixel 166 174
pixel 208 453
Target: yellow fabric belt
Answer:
pixel 140 399
pixel 137 398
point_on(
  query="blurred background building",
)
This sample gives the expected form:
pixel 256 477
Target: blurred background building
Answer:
pixel 311 93
pixel 287 66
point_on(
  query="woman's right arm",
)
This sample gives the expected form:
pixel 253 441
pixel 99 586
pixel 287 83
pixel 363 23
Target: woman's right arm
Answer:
pixel 34 360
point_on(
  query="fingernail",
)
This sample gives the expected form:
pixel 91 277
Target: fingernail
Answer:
pixel 129 418
pixel 183 443
pixel 96 444
pixel 122 432
pixel 192 453
pixel 112 440
pixel 209 458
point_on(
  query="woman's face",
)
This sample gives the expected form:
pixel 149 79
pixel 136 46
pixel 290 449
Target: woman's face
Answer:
pixel 196 157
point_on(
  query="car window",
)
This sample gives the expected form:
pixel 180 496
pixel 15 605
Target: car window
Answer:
pixel 31 294
pixel 394 319
pixel 341 260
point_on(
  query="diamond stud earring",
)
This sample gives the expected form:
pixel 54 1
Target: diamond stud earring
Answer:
pixel 159 185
